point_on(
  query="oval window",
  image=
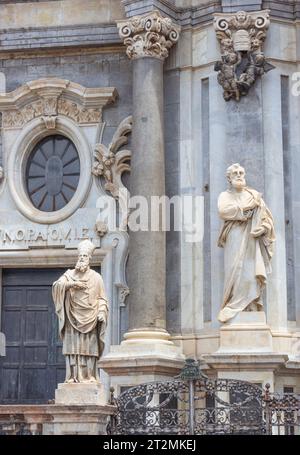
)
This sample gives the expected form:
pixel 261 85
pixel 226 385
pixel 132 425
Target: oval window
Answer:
pixel 52 173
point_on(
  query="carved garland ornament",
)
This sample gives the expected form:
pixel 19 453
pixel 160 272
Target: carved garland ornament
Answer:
pixel 47 98
pixel 241 36
pixel 49 108
pixel 150 35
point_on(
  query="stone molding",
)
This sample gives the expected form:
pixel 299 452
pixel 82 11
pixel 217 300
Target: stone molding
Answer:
pixel 46 38
pixel 149 35
pixel 30 134
pixel 204 11
pixel 241 36
pixel 49 97
pixel 117 245
pixel 52 419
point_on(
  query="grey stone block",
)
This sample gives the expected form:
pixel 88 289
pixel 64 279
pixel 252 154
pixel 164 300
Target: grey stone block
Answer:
pixel 231 6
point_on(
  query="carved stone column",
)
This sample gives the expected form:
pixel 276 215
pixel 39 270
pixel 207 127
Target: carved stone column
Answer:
pixel 148 39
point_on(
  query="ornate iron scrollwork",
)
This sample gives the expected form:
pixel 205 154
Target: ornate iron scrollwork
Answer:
pixel 195 404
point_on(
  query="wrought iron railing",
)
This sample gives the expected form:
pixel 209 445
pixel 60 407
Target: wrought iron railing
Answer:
pixel 194 404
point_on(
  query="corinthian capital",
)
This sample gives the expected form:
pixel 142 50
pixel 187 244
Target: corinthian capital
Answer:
pixel 149 35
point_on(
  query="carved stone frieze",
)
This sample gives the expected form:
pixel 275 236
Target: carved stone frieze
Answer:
pixel 111 163
pixel 241 36
pixel 48 98
pixel 149 35
pixel 78 114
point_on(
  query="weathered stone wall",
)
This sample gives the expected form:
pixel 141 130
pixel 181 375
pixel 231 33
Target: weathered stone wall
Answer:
pixel 58 13
pixel 90 70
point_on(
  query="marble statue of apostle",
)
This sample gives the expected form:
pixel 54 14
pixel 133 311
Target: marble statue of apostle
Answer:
pixel 82 310
pixel 247 237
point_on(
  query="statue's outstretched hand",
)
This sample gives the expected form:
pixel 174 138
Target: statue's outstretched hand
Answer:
pixel 248 214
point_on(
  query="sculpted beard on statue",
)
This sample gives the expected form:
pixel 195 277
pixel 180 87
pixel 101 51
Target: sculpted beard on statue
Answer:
pixel 247 237
pixel 82 310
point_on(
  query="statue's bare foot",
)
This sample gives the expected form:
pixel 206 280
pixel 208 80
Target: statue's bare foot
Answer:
pixel 92 379
pixel 69 381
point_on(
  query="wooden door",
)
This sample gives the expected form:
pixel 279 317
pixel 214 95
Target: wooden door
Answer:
pixel 34 364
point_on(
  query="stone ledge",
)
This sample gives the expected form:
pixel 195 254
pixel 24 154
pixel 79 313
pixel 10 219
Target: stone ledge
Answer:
pixel 204 12
pixel 55 419
pixel 57 37
pixel 33 410
pixel 105 35
pixel 145 365
pixel 255 361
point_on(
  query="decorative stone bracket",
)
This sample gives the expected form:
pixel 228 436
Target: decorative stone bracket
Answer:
pixel 241 36
pixel 49 97
pixel 111 163
pixel 148 35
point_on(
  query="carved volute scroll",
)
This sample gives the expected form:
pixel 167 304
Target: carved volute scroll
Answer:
pixel 149 35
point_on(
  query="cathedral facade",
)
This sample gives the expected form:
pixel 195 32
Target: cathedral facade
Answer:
pixel 103 101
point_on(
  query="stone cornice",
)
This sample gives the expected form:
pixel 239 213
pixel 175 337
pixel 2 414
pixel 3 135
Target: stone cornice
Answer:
pixel 82 36
pixel 149 35
pixel 58 37
pixel 194 15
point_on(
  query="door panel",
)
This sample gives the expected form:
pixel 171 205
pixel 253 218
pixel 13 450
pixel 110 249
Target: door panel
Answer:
pixel 34 364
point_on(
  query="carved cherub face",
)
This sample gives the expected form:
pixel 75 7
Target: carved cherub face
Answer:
pixel 227 44
pixel 236 176
pixel 241 16
pixel 255 43
pixel 232 58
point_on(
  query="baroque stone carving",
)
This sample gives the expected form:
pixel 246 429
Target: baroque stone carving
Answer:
pixel 111 163
pixel 123 294
pixel 72 110
pixel 247 237
pixel 101 228
pixel 241 36
pixel 82 310
pixel 48 98
pixel 149 35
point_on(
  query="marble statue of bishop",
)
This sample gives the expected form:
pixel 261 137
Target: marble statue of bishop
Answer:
pixel 82 310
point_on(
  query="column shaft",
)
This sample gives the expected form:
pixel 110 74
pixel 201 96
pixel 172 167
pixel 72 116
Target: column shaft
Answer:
pixel 146 266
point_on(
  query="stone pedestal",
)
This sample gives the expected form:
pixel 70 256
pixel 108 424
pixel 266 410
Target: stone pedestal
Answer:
pixel 55 419
pixel 143 356
pixel 247 332
pixel 80 394
pixel 246 351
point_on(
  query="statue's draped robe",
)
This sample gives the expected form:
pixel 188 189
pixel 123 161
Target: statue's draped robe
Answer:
pixel 246 258
pixel 78 311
